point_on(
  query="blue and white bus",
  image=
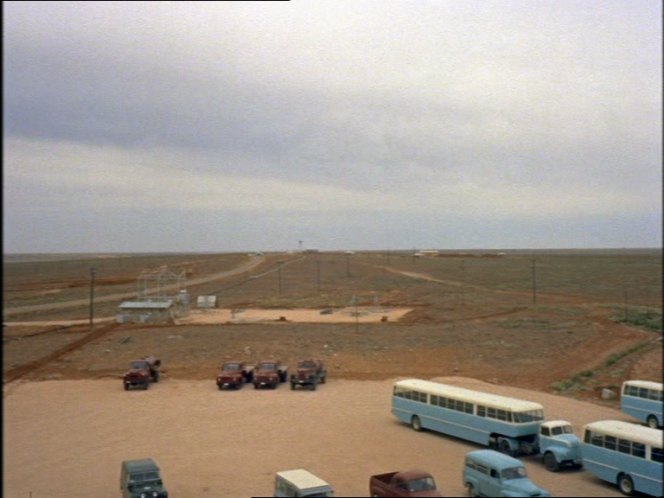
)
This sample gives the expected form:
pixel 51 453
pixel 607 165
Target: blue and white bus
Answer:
pixel 627 455
pixel 642 399
pixel 507 424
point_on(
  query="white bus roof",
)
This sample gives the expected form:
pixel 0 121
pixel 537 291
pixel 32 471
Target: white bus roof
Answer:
pixel 469 396
pixel 302 479
pixel 626 430
pixel 646 384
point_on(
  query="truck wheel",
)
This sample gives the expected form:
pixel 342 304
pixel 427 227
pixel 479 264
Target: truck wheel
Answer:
pixel 221 388
pixel 155 377
pixel 471 489
pixel 550 462
pixel 652 422
pixel 322 379
pixel 313 385
pixel 292 386
pixel 505 447
pixel 146 386
pixel 255 386
pixel 126 386
pixel 415 423
pixel 625 484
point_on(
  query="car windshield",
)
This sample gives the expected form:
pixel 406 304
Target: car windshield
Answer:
pixel 561 429
pixel 528 416
pixel 268 366
pixel 231 367
pixel 422 484
pixel 306 364
pixel 514 473
pixel 138 365
pixel 145 476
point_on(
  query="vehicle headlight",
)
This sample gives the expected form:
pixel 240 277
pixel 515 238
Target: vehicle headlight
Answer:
pixel 154 493
pixel 142 495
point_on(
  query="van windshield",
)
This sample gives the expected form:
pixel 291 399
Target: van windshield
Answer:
pixel 231 367
pixel 268 366
pixel 137 365
pixel 514 473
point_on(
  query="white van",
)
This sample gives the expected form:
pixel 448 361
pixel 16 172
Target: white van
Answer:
pixel 300 482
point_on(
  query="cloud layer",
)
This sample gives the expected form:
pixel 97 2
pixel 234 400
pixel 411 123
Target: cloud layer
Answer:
pixel 393 124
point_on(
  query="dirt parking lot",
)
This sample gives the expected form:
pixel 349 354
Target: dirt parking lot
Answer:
pixel 470 319
pixel 67 438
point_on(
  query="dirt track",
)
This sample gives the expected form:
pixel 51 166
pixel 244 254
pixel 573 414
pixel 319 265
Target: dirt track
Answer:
pixel 67 438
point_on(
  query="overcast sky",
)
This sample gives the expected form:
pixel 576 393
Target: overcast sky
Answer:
pixel 238 126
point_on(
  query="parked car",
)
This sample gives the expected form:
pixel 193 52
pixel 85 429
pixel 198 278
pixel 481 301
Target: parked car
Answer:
pixel 300 482
pixel 141 479
pixel 142 372
pixel 270 373
pixel 408 483
pixel 490 473
pixel 234 374
pixel 309 373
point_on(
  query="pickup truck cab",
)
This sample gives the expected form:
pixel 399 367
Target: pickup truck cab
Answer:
pixel 309 373
pixel 142 372
pixel 270 373
pixel 233 374
pixel 300 482
pixel 407 483
pixel 141 479
pixel 559 446
pixel 490 473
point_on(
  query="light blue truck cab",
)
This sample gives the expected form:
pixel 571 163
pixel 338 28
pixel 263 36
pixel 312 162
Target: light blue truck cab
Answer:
pixel 490 473
pixel 559 446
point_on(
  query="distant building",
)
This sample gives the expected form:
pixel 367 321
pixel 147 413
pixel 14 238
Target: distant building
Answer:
pixel 206 301
pixel 146 311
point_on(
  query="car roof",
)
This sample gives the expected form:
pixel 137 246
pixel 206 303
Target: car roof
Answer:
pixel 302 478
pixel 142 465
pixel 493 458
pixel 648 384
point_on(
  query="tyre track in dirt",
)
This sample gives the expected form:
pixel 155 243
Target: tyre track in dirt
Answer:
pixel 26 368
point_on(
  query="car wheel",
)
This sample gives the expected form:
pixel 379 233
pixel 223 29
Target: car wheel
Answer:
pixel 625 484
pixel 126 387
pixel 471 490
pixel 550 462
pixel 415 423
pixel 652 422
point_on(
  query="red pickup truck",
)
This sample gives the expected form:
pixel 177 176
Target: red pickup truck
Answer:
pixel 408 483
pixel 142 372
pixel 270 373
pixel 233 374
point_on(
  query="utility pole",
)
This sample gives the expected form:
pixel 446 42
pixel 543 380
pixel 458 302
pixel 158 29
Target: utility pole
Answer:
pixel 318 275
pixel 347 267
pixel 92 296
pixel 279 277
pixel 463 282
pixel 534 285
pixel 625 292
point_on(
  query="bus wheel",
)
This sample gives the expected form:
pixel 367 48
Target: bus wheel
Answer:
pixel 505 447
pixel 415 423
pixel 625 484
pixel 652 422
pixel 550 462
